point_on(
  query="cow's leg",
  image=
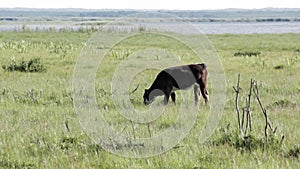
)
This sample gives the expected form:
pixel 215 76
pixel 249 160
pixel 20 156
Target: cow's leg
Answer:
pixel 197 93
pixel 166 99
pixel 173 96
pixel 167 92
pixel 204 92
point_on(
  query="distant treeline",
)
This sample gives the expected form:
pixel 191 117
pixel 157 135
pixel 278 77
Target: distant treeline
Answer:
pixel 100 19
pixel 226 15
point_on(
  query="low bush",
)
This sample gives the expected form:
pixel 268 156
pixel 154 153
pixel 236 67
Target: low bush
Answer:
pixel 32 65
pixel 294 152
pixel 246 53
pixel 248 142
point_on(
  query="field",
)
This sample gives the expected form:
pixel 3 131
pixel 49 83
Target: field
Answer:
pixel 39 128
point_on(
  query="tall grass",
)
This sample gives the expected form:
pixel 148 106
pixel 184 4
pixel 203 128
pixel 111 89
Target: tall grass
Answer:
pixel 39 129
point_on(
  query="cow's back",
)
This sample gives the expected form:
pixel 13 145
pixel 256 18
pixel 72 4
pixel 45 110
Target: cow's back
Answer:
pixel 182 77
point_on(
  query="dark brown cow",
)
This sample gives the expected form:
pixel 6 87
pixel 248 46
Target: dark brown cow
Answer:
pixel 175 78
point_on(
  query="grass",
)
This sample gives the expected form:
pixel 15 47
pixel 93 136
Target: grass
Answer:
pixel 39 129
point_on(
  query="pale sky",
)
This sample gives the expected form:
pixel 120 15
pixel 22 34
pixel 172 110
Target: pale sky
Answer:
pixel 151 4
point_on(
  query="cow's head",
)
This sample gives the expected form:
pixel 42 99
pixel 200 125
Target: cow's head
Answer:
pixel 147 99
pixel 150 95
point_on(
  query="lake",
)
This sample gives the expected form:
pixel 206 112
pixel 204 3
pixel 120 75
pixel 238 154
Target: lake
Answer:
pixel 181 27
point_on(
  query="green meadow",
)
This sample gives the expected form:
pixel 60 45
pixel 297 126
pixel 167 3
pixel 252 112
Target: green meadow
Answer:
pixel 40 129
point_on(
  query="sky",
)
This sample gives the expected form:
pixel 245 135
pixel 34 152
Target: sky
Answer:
pixel 151 4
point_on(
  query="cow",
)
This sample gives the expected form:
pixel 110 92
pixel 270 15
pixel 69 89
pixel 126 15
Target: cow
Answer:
pixel 177 78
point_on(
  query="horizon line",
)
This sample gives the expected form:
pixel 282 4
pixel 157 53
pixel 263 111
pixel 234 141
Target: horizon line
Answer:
pixel 276 8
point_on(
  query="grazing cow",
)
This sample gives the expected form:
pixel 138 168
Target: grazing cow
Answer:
pixel 175 78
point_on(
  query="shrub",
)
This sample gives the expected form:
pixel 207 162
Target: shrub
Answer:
pixel 282 104
pixel 294 152
pixel 279 67
pixel 247 53
pixel 33 65
pixel 248 142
